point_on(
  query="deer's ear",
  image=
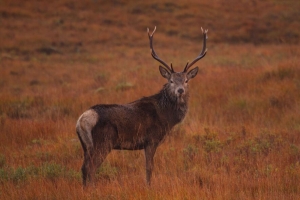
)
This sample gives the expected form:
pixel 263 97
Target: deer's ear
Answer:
pixel 165 73
pixel 192 73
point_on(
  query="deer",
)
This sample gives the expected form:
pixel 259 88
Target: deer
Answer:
pixel 139 125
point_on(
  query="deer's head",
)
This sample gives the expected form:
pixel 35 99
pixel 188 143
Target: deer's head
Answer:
pixel 178 81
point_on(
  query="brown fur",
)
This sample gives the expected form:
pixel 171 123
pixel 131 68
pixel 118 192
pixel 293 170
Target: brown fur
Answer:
pixel 141 124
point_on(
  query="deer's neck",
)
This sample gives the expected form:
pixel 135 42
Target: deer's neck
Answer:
pixel 172 107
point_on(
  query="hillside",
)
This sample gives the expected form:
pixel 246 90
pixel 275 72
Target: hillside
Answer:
pixel 240 139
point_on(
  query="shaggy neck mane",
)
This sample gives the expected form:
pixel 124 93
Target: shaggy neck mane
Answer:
pixel 173 107
pixel 168 100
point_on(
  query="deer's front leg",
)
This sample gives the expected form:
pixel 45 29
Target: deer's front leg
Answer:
pixel 149 154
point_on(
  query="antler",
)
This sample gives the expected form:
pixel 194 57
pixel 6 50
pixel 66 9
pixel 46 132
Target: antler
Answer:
pixel 154 55
pixel 202 54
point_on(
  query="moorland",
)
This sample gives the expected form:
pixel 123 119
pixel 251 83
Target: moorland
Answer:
pixel 239 140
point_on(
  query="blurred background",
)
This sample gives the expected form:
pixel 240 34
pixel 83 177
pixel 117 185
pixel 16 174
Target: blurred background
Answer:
pixel 240 139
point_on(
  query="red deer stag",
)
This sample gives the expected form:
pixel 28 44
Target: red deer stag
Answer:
pixel 141 124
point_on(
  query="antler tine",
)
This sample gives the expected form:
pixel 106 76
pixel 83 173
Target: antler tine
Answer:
pixel 172 69
pixel 202 54
pixel 154 55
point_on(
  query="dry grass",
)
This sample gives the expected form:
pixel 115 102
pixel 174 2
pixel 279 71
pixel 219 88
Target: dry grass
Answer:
pixel 240 140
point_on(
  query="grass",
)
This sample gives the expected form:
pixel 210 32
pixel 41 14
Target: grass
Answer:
pixel 240 139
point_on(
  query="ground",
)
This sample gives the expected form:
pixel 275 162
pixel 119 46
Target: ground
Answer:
pixel 240 139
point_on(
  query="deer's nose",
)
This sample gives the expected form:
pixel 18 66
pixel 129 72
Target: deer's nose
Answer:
pixel 180 91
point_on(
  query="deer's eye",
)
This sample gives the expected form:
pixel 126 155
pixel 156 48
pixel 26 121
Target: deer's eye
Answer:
pixel 171 81
pixel 186 81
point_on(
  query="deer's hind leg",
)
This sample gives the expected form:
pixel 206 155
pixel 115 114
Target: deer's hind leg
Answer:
pixel 92 160
pixel 103 141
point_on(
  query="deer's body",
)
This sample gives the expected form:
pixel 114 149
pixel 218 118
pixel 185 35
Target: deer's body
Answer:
pixel 149 115
pixel 141 124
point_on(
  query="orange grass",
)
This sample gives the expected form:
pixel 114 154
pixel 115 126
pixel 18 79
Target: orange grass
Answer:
pixel 240 139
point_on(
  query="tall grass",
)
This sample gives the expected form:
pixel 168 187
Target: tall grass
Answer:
pixel 240 139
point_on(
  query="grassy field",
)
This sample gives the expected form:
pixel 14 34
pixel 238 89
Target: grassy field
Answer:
pixel 240 139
